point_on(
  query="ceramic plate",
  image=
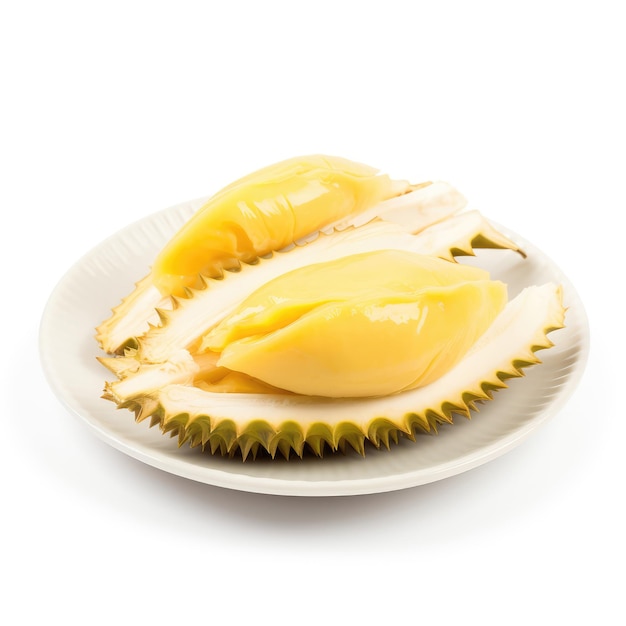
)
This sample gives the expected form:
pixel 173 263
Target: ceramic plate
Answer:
pixel 84 296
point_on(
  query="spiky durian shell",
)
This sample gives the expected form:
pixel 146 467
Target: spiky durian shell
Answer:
pixel 244 424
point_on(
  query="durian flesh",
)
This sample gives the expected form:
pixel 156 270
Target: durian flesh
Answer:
pixel 352 323
pixel 364 325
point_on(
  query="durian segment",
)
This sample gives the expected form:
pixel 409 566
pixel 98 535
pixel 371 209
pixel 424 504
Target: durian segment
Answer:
pixel 418 208
pixel 267 211
pixel 368 275
pixel 371 347
pixel 246 423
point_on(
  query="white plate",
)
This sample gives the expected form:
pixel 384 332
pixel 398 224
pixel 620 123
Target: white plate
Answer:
pixel 84 296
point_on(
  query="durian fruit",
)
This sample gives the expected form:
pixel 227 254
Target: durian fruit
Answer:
pixel 314 305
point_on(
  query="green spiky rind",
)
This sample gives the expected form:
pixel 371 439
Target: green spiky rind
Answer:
pixel 483 241
pixel 461 234
pixel 290 438
pixel 227 438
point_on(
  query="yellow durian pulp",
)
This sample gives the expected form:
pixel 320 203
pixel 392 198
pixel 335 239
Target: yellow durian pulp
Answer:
pixel 266 211
pixel 365 325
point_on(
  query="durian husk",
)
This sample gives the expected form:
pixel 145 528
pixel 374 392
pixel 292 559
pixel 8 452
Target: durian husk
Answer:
pixel 248 425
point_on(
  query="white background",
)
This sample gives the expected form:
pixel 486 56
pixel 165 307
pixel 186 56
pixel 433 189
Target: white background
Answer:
pixel 112 111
